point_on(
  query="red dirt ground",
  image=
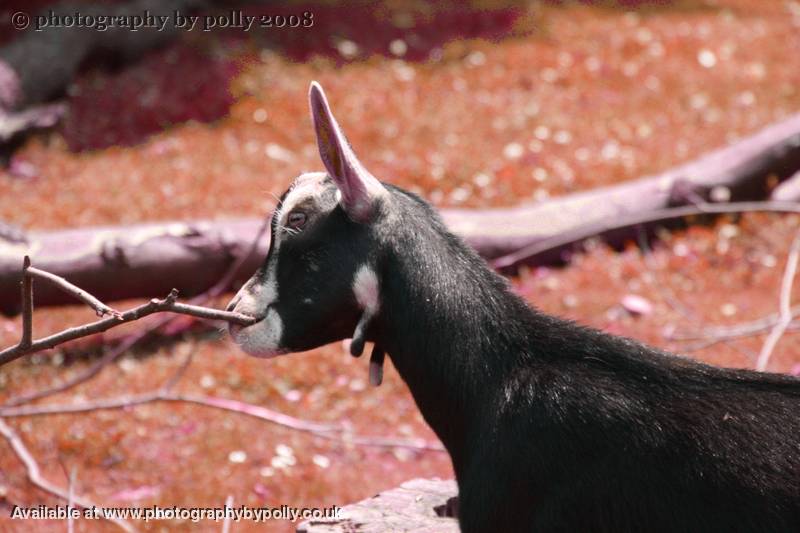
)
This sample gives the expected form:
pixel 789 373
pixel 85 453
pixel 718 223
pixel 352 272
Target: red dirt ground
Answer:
pixel 576 98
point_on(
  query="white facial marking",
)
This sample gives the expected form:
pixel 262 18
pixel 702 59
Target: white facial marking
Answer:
pixel 365 288
pixel 304 186
pixel 263 338
pixel 256 295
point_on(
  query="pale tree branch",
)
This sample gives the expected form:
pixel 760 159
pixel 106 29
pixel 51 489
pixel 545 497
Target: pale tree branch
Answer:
pixel 712 335
pixel 632 220
pixel 128 342
pixel 785 306
pixel 168 304
pixel 188 255
pixel 736 331
pixel 669 296
pixel 163 394
pixel 111 355
pixel 710 341
pixel 36 478
pixel 326 431
pixel 99 307
pixel 225 281
pixel 181 371
pixel 71 500
pixel 28 345
pixel 27 305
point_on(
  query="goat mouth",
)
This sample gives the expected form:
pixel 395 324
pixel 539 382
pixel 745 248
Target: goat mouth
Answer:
pixel 233 329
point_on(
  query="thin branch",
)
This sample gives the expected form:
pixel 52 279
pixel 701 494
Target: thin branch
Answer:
pixel 181 371
pixel 111 355
pixel 71 501
pixel 384 442
pixel 785 309
pixel 92 371
pixel 27 305
pixel 709 342
pixel 709 339
pixel 736 331
pixel 712 335
pixel 605 225
pixel 131 400
pixel 163 394
pixel 673 301
pixel 35 475
pixel 225 281
pixel 663 288
pixel 327 431
pixel 99 307
pixel 255 411
pixel 153 306
pixel 209 313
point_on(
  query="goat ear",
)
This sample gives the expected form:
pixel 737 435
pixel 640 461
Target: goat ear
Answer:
pixel 359 189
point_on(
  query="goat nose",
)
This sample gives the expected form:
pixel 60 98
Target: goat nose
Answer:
pixel 232 303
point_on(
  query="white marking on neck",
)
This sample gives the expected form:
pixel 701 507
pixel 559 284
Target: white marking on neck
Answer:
pixel 366 290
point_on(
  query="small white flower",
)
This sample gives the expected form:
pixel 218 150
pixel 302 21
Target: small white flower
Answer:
pixel 284 451
pixel 707 58
pixel 237 456
pixel 513 150
pixel 398 47
pixel 260 115
pixel 321 461
pixel 347 48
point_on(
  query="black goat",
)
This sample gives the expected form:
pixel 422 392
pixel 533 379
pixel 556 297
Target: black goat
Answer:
pixel 551 426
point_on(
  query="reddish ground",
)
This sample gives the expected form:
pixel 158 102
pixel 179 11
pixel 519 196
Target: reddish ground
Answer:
pixel 577 97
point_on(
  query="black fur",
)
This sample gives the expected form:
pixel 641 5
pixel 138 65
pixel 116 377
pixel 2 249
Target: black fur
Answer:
pixel 556 427
pixel 551 426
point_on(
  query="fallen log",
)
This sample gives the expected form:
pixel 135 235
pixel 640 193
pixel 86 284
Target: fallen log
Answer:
pixel 148 260
pixel 117 263
pixel 744 171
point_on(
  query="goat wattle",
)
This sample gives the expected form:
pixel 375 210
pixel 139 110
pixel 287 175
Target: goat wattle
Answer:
pixel 376 366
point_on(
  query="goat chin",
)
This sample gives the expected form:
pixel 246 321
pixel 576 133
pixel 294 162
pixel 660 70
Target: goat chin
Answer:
pixel 261 339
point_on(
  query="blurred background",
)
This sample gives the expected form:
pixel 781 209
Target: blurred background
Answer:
pixel 471 104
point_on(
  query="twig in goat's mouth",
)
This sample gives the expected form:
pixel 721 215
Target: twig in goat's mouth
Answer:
pixel 27 345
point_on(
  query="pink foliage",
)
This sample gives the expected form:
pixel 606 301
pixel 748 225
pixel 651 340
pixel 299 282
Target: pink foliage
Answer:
pixel 169 86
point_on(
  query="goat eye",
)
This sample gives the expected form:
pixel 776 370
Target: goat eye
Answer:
pixel 296 220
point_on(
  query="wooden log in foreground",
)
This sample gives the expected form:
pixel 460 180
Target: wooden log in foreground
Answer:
pixel 416 505
pixel 146 261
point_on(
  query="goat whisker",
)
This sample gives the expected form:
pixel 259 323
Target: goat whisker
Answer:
pixel 290 231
